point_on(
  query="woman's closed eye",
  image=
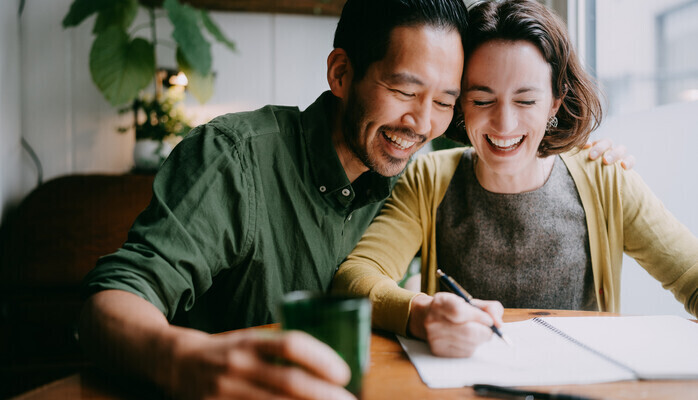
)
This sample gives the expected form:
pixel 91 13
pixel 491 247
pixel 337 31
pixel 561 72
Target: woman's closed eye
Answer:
pixel 482 103
pixel 527 102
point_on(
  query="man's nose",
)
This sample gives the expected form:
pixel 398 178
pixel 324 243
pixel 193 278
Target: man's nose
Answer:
pixel 419 117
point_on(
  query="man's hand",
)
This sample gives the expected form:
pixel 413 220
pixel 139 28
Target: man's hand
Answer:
pixel 246 365
pixel 127 335
pixel 610 154
pixel 452 327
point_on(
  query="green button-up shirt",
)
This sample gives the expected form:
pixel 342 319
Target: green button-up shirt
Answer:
pixel 247 207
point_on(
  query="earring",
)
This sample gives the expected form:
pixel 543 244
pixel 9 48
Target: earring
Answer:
pixel 552 123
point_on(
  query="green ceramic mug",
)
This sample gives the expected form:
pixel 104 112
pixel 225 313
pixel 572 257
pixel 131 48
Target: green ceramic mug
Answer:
pixel 342 322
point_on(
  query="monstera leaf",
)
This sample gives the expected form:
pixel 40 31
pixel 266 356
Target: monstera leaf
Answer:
pixel 200 86
pixel 195 49
pixel 81 9
pixel 120 13
pixel 122 64
pixel 215 31
pixel 121 67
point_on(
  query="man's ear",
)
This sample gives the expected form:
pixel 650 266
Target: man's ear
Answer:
pixel 339 73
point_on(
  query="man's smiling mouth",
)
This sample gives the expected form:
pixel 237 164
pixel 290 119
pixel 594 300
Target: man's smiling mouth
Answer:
pixel 402 144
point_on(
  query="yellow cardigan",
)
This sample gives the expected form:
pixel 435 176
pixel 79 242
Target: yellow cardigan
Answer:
pixel 622 215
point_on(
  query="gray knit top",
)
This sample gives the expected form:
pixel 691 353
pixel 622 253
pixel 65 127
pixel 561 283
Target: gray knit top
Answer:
pixel 527 250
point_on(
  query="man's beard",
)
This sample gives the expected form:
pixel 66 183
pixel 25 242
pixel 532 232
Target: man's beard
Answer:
pixel 351 125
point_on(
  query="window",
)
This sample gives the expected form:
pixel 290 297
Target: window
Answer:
pixel 645 52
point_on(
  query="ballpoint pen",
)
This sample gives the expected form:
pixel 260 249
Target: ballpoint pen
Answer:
pixel 511 393
pixel 458 289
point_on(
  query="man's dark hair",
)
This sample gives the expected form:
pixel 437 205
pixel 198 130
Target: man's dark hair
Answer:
pixel 365 26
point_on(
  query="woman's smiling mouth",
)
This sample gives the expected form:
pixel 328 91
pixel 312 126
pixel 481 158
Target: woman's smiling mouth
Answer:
pixel 505 144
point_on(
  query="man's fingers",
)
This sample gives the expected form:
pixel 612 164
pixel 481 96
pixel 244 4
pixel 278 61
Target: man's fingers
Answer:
pixel 235 388
pixel 599 147
pixel 298 383
pixel 307 352
pixel 315 370
pixel 610 154
pixel 614 154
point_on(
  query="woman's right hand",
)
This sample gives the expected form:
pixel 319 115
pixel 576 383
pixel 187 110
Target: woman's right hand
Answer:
pixel 452 327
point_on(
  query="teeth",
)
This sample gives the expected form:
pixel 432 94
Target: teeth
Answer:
pixel 505 143
pixel 400 143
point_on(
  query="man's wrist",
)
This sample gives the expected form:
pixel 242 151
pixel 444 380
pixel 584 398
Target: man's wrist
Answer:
pixel 175 343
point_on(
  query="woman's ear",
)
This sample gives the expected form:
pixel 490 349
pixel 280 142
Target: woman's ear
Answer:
pixel 339 73
pixel 555 106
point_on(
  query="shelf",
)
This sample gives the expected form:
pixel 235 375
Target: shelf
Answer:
pixel 311 7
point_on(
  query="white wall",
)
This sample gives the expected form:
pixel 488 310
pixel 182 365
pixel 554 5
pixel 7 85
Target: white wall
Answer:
pixel 10 148
pixel 280 59
pixel 664 141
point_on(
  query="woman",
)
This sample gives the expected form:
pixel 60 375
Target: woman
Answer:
pixel 521 217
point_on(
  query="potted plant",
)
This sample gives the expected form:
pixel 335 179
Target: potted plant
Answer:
pixel 123 61
pixel 159 124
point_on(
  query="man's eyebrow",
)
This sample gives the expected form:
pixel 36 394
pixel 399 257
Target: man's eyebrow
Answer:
pixel 402 77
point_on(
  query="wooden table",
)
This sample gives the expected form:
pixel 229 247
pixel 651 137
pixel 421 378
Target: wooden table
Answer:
pixel 391 376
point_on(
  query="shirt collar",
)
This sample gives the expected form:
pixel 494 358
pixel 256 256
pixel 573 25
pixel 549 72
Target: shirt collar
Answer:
pixel 325 168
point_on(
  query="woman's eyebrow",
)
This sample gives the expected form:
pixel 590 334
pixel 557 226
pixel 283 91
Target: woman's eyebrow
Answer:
pixel 487 89
pixel 527 89
pixel 479 88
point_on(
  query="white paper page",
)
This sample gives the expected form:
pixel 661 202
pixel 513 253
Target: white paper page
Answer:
pixel 539 357
pixel 657 347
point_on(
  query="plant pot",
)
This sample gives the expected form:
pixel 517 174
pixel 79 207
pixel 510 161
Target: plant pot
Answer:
pixel 149 154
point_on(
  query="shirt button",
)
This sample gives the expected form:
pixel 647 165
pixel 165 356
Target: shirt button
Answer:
pixel 349 217
pixel 346 192
pixel 323 189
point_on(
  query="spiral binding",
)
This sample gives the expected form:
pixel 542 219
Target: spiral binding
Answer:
pixel 585 347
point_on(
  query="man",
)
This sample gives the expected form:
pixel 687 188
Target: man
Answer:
pixel 253 205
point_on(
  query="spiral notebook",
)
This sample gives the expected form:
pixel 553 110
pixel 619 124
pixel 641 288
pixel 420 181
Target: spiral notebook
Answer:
pixel 569 350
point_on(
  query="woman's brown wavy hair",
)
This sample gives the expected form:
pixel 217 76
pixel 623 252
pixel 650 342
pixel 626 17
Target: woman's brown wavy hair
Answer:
pixel 512 20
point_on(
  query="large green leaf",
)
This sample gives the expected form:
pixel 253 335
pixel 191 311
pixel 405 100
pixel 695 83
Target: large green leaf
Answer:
pixel 200 86
pixel 120 13
pixel 195 48
pixel 81 9
pixel 121 67
pixel 215 31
